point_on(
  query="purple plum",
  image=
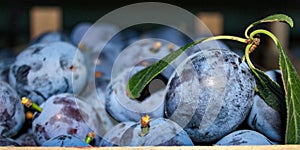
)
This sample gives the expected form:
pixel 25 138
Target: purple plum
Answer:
pixel 11 110
pixel 210 94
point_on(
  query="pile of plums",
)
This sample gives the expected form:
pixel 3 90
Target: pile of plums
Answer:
pixel 78 83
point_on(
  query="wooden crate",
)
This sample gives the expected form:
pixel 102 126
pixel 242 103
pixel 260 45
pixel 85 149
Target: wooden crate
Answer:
pixel 274 147
pixel 45 19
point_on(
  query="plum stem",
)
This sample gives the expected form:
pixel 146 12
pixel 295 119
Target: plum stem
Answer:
pixel 247 52
pixel 89 137
pixel 226 37
pixel 156 46
pixel 145 131
pixel 145 125
pixel 29 115
pixel 29 104
pixel 248 49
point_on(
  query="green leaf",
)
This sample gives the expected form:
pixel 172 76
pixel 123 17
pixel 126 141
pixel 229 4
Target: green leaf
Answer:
pixel 277 18
pixel 291 81
pixel 139 81
pixel 272 18
pixel 270 91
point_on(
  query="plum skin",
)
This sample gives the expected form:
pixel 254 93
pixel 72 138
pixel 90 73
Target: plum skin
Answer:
pixel 63 114
pixel 65 141
pixel 219 96
pixel 26 139
pixel 122 108
pixel 46 69
pixel 5 141
pixel 162 132
pixel 244 137
pixel 12 111
pixel 265 119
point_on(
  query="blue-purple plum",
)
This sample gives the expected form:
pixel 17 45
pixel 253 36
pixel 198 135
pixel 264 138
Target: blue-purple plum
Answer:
pixel 11 110
pixel 63 114
pixel 26 139
pixel 169 34
pixel 96 98
pixel 265 119
pixel 145 52
pixel 244 137
pixel 78 32
pixel 210 94
pixel 129 36
pixel 5 141
pixel 101 44
pixel 162 132
pixel 65 141
pixel 43 70
pixel 122 108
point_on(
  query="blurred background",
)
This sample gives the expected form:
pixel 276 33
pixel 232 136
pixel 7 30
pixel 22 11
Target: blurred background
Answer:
pixel 20 22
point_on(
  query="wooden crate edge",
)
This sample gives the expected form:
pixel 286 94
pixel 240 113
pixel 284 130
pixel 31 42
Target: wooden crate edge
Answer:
pixel 273 147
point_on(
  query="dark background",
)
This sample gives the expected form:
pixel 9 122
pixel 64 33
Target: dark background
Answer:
pixel 14 16
pixel 15 23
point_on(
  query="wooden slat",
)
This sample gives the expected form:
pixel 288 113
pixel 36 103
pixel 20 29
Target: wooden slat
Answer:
pixel 274 147
pixel 213 20
pixel 43 19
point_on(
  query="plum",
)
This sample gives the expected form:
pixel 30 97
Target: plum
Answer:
pixel 170 34
pixel 210 94
pixel 65 141
pixel 265 119
pixel 122 108
pixel 26 139
pixel 102 77
pixel 162 132
pixel 145 52
pixel 98 35
pixel 244 137
pixel 96 98
pixel 43 70
pixel 78 32
pixel 130 35
pixel 63 114
pixel 11 110
pixel 100 47
pixel 5 141
pixel 108 56
pixel 275 75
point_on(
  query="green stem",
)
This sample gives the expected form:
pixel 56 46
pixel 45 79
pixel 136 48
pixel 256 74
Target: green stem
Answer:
pixel 28 103
pixel 246 31
pixel 248 57
pixel 252 34
pixel 89 137
pixel 266 32
pixel 224 37
pixel 88 140
pixel 36 107
pixel 145 131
